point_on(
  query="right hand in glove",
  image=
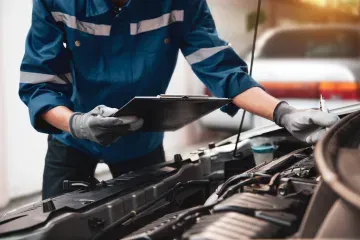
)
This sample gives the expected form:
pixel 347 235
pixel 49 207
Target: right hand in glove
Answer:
pixel 98 125
pixel 306 125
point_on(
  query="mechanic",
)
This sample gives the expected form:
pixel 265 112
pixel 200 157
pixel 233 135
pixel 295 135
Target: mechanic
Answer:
pixel 85 59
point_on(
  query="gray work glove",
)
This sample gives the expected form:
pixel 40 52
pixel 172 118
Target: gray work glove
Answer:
pixel 306 125
pixel 98 125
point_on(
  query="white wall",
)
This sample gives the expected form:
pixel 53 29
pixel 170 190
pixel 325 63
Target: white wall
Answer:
pixel 231 21
pixel 25 148
pixel 3 167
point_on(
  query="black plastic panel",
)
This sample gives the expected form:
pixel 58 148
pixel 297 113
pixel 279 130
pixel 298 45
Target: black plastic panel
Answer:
pixel 75 214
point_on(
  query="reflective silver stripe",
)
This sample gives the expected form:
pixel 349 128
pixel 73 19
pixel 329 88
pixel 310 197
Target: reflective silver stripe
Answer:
pixel 156 23
pixel 204 53
pixel 90 28
pixel 35 78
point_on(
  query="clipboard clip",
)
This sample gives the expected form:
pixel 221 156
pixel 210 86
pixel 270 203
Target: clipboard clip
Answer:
pixel 164 96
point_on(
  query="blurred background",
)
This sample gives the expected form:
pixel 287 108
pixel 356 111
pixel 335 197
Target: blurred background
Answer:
pixel 305 48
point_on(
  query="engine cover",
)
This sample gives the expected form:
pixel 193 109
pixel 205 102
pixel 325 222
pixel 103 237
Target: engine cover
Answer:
pixel 84 213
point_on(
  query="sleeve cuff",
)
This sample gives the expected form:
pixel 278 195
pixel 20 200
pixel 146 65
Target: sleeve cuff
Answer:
pixel 42 104
pixel 231 109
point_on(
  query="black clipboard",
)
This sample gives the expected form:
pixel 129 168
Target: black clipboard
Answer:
pixel 170 112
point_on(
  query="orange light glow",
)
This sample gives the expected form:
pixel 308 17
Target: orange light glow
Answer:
pixel 312 90
pixel 347 6
pixel 322 3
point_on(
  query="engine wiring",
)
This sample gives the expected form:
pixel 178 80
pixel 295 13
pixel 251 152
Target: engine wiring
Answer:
pixel 231 190
pixel 197 212
pixel 236 178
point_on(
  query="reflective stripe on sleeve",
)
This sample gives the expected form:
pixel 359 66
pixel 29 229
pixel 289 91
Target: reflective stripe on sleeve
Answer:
pixel 156 23
pixel 35 78
pixel 90 28
pixel 204 53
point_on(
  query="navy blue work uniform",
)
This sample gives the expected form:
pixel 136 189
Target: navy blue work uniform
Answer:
pixel 85 53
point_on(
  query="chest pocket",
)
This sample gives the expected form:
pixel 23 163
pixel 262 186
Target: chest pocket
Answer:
pixel 85 53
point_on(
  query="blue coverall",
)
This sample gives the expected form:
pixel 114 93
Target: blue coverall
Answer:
pixel 85 53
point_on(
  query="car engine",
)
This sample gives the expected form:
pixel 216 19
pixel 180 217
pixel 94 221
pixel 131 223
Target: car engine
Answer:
pixel 214 193
pixel 266 201
pixel 307 193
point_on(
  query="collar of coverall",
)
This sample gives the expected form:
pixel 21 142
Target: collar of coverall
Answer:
pixel 98 7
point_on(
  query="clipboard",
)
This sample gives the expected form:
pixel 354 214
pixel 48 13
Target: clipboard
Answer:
pixel 170 112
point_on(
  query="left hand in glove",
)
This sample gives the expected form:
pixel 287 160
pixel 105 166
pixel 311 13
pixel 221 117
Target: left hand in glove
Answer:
pixel 306 125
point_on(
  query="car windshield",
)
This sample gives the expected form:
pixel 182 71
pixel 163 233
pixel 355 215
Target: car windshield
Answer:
pixel 328 43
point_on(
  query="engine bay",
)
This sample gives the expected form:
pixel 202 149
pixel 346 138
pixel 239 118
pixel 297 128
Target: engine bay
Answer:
pixel 211 193
pixel 266 201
